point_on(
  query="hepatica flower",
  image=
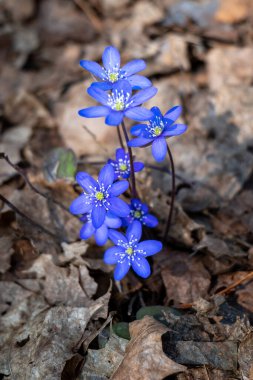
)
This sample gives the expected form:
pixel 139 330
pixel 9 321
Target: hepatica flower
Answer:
pixel 100 196
pixel 101 233
pixel 111 72
pixel 157 129
pixel 121 165
pixel 119 103
pixel 129 252
pixel 139 211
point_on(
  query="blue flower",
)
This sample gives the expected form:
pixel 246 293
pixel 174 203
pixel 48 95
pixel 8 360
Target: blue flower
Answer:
pixel 159 128
pixel 121 165
pixel 129 252
pixel 119 103
pixel 101 233
pixel 139 211
pixel 111 73
pixel 100 196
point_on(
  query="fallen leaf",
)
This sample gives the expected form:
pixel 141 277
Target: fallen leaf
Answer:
pixel 185 278
pixel 104 362
pixel 144 355
pixel 245 357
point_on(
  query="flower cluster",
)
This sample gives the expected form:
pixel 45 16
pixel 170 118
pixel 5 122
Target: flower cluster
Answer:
pixel 121 93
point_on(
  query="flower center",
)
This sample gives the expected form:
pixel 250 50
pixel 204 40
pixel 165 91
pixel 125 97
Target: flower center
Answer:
pixel 157 131
pixel 129 251
pixel 99 195
pixel 137 214
pixel 119 100
pixel 123 167
pixel 119 105
pixel 113 77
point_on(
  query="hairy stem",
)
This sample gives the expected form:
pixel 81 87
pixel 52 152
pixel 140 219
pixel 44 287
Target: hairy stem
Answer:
pixel 120 137
pixel 134 192
pixel 173 191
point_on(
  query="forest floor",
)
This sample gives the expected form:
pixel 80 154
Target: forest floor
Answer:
pixel 62 314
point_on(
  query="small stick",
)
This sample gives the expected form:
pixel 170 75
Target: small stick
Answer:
pixel 31 221
pixel 22 173
pixel 235 284
pixel 225 291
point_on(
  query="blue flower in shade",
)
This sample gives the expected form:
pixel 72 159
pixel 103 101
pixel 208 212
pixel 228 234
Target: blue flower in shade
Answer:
pixel 121 165
pixel 111 73
pixel 159 128
pixel 101 233
pixel 100 196
pixel 139 211
pixel 119 103
pixel 129 252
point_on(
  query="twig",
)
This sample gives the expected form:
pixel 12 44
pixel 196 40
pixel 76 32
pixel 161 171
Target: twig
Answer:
pixel 234 285
pixel 31 221
pixel 225 291
pixel 21 172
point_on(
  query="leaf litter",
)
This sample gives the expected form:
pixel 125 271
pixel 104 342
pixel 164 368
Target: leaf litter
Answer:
pixel 55 290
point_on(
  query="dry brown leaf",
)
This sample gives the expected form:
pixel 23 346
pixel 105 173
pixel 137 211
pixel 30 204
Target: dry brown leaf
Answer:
pixel 104 362
pixel 67 286
pixel 185 278
pixel 144 358
pixel 6 252
pixel 245 357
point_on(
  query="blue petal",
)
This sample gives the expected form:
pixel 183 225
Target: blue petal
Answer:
pixel 133 67
pixel 141 266
pixel 138 166
pixel 149 247
pixel 93 67
pixel 121 269
pixel 119 207
pixel 120 154
pixel 101 235
pixel 173 113
pixel 98 216
pixel 177 129
pixel 143 95
pixel 114 118
pixel 139 82
pixel 80 205
pixel 138 113
pixel 118 188
pixel 106 176
pixel 134 231
pixel 86 182
pixel 111 58
pixel 105 86
pixel 113 254
pixel 86 231
pixel 156 111
pixel 96 111
pixel 112 221
pixel 98 94
pixel 117 237
pixel 139 141
pixel 150 220
pixel 122 85
pixel 136 130
pixel 159 149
